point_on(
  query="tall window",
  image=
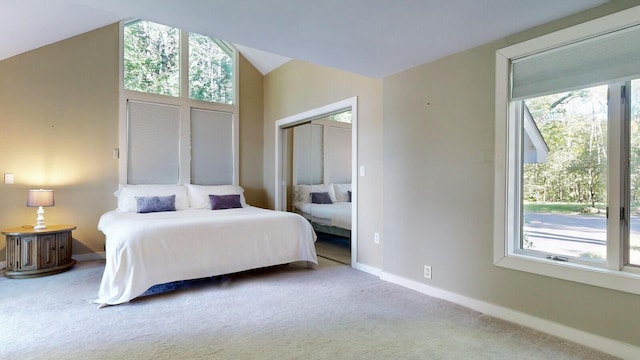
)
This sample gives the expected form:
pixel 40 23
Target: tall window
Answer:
pixel 179 117
pixel 568 145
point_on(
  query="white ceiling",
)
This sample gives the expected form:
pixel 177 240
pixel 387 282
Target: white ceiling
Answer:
pixel 369 37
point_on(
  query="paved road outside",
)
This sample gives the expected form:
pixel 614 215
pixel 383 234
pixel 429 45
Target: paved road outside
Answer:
pixel 574 235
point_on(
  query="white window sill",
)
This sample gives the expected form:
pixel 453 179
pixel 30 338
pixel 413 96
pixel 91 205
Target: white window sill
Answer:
pixel 627 280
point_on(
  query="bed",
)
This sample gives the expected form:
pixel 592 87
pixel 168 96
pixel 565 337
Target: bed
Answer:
pixel 326 206
pixel 194 241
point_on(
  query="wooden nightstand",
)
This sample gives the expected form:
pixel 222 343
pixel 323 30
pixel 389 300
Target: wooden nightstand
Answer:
pixel 33 253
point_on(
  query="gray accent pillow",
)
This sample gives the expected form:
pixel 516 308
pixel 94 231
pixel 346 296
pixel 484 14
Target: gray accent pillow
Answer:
pixel 221 202
pixel 321 198
pixel 149 204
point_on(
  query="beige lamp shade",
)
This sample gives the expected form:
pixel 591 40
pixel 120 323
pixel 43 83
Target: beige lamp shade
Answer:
pixel 40 199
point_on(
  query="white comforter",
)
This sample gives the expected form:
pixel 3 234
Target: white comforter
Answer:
pixel 147 249
pixel 337 214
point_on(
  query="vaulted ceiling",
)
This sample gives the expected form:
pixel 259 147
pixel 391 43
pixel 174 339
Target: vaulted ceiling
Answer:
pixel 375 38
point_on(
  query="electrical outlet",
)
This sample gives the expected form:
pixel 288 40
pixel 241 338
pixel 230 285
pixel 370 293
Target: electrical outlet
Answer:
pixel 376 238
pixel 8 179
pixel 427 272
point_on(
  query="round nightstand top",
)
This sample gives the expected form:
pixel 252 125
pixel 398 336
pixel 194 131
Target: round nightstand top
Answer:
pixel 28 230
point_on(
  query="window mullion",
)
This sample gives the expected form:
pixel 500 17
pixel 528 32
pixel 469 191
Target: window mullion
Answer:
pixel 625 172
pixel 615 169
pixel 514 179
pixel 184 64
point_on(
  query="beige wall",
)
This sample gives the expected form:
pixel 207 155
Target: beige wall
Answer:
pixel 438 194
pixel 298 86
pixel 59 126
pixel 251 135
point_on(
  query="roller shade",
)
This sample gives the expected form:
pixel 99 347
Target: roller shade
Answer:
pixel 307 154
pixel 154 144
pixel 211 147
pixel 337 155
pixel 589 62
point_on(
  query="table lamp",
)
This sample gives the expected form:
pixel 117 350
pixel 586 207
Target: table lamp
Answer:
pixel 40 199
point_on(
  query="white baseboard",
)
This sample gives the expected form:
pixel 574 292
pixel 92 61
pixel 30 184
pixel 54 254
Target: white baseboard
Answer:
pixel 609 346
pixel 90 256
pixel 368 269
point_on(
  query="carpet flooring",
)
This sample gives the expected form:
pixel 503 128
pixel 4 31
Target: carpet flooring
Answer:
pixel 283 312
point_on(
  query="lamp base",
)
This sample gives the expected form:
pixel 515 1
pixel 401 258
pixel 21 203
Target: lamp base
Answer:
pixel 40 219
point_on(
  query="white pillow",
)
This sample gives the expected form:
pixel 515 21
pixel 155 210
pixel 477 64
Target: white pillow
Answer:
pixel 341 192
pixel 126 195
pixel 199 194
pixel 302 193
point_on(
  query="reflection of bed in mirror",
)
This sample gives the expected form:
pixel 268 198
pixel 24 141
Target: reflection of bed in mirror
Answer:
pixel 326 206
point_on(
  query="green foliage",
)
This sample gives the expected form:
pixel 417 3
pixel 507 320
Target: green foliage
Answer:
pixel 210 71
pixel 573 124
pixel 634 155
pixel 344 117
pixel 152 58
pixel 152 63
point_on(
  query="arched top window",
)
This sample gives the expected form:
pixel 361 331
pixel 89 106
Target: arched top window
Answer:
pixel 155 61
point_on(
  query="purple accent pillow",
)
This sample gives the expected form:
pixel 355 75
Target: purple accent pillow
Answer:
pixel 321 198
pixel 349 193
pixel 149 204
pixel 221 202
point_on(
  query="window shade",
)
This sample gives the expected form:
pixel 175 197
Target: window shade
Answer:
pixel 337 155
pixel 307 154
pixel 153 131
pixel 589 62
pixel 211 147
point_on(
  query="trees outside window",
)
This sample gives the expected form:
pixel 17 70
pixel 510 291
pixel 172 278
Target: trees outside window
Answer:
pixel 152 63
pixel 565 198
pixel 152 58
pixel 210 70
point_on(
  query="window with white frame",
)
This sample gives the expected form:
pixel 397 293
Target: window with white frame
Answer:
pixel 179 120
pixel 568 154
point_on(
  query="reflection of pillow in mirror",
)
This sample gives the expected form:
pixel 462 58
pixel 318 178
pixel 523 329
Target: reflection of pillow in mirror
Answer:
pixel 340 191
pixel 221 202
pixel 149 204
pixel 320 198
pixel 302 193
